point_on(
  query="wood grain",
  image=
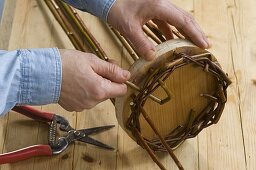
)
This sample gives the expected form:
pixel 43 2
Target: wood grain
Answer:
pixel 242 25
pixel 6 23
pixel 221 146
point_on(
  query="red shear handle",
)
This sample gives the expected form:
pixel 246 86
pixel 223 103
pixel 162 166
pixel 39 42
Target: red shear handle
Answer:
pixel 26 153
pixel 33 113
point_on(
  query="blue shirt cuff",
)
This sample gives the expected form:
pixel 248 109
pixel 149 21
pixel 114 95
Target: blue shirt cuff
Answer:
pixel 99 8
pixel 40 81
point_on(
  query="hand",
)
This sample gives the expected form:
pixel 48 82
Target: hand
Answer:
pixel 87 80
pixel 128 17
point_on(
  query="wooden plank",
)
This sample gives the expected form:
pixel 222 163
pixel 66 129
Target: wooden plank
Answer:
pixel 1 8
pixel 3 132
pixel 242 26
pixel 221 146
pixel 36 27
pixel 89 156
pixel 6 23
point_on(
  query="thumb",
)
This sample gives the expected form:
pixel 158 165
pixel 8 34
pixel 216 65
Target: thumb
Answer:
pixel 110 71
pixel 142 44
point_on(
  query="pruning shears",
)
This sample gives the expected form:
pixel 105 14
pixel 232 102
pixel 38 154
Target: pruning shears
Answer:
pixel 54 146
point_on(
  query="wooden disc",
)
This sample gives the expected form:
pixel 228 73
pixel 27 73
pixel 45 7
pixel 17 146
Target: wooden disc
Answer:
pixel 186 84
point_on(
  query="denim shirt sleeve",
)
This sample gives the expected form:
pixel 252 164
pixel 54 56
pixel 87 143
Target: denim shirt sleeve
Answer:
pixel 99 8
pixel 29 77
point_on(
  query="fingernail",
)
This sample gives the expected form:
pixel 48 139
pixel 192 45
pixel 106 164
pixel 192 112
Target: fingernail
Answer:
pixel 126 74
pixel 205 44
pixel 209 44
pixel 150 55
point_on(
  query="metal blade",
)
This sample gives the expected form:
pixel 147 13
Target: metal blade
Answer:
pixel 95 142
pixel 95 130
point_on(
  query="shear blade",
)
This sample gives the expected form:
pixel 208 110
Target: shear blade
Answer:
pixel 96 130
pixel 95 142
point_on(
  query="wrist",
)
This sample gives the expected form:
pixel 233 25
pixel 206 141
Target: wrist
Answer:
pixel 40 76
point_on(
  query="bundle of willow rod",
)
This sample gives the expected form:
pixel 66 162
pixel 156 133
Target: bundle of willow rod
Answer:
pixel 81 38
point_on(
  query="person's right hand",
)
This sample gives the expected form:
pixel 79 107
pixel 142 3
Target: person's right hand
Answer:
pixel 128 17
pixel 88 80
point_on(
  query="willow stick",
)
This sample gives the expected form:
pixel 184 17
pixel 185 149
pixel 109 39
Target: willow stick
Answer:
pixel 86 33
pixel 69 30
pixel 151 34
pixel 152 97
pixel 177 33
pixel 128 45
pixel 156 31
pixel 145 115
pixel 159 34
pixel 148 149
pixel 131 45
pixel 125 44
pixel 53 7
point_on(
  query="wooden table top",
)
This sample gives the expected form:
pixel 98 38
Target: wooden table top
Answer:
pixel 231 144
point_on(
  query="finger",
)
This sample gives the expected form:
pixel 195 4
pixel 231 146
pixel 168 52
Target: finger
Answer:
pixel 183 21
pixel 104 90
pixel 141 43
pixel 110 71
pixel 164 28
pixel 113 61
pixel 206 39
pixel 195 23
pixel 113 89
